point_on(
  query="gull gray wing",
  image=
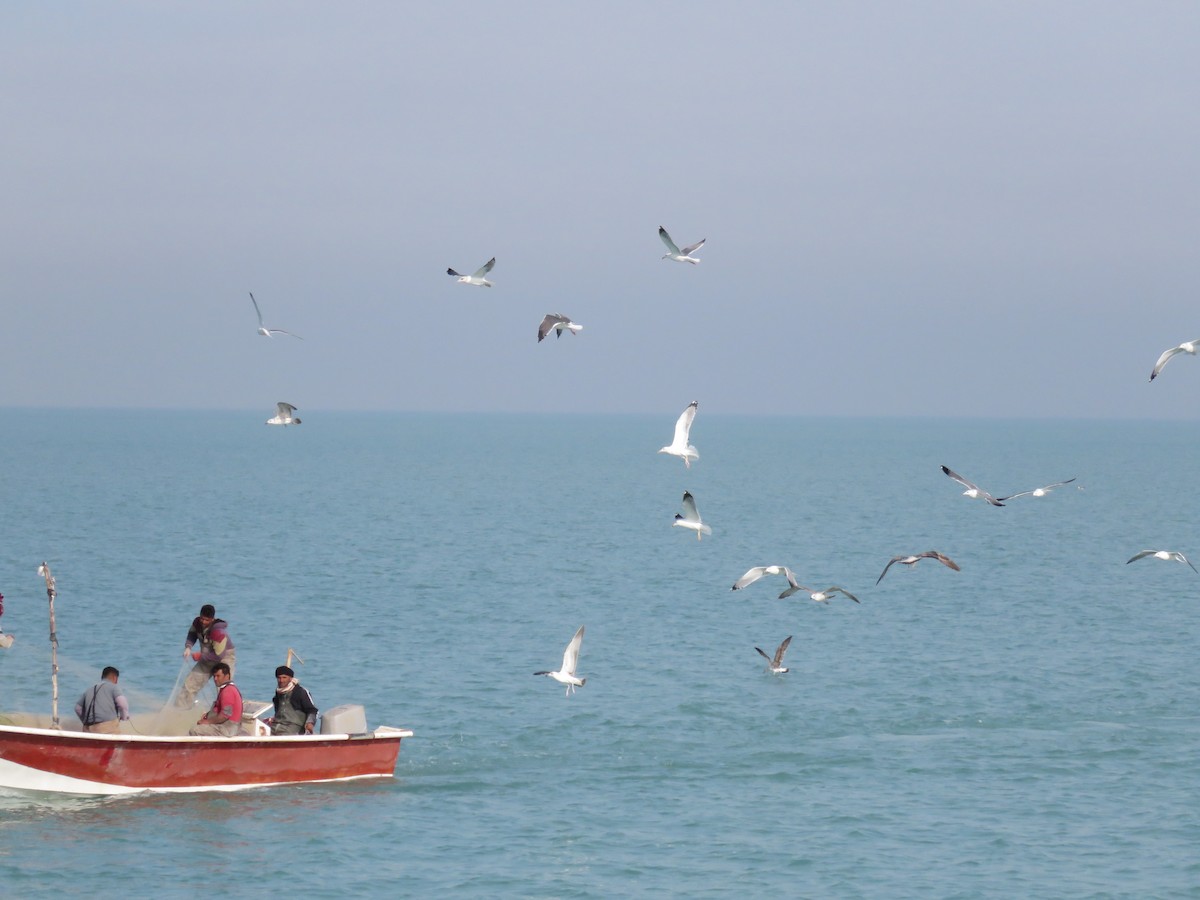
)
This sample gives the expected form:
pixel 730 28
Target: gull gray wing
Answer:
pixel 666 239
pixel 485 268
pixel 571 654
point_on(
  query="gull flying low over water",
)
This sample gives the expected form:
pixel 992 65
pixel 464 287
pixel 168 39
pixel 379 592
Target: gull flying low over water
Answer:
pixel 566 675
pixel 679 445
pixel 752 575
pixel 913 559
pixel 263 329
pixel 691 518
pixel 972 490
pixel 1037 492
pixel 1185 347
pixel 775 664
pixel 283 415
pixel 673 251
pixel 556 322
pixel 818 596
pixel 1163 554
pixel 476 277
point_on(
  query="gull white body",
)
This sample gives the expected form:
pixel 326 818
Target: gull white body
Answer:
pixel 679 445
pixel 691 518
pixel 914 558
pixel 1037 492
pixel 817 596
pixel 673 251
pixel 1162 554
pixel 972 490
pixel 566 675
pixel 1188 347
pixel 477 277
pixel 775 663
pixel 283 415
pixel 263 329
pixel 556 322
pixel 752 575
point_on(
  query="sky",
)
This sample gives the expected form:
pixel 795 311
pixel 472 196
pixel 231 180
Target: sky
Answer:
pixel 984 209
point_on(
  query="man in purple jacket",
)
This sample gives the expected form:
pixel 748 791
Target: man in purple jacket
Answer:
pixel 215 647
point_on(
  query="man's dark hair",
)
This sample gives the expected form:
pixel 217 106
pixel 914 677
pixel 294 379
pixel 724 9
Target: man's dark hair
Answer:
pixel 110 670
pixel 221 667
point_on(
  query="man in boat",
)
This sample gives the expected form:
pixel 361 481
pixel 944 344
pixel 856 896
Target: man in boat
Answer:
pixel 225 717
pixel 215 647
pixel 295 712
pixel 103 706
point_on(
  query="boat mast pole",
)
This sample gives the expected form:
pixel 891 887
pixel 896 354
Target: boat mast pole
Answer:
pixel 51 593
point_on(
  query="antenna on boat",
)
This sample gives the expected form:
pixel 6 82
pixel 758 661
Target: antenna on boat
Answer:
pixel 51 593
pixel 292 653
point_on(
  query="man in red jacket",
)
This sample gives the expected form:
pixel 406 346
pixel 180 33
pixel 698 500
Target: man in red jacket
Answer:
pixel 225 717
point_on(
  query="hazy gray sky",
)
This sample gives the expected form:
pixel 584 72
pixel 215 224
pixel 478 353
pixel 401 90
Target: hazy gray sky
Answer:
pixel 911 208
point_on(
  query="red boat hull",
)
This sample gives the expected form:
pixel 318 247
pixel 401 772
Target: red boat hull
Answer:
pixel 45 759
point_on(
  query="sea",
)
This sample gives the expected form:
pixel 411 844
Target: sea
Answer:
pixel 1028 726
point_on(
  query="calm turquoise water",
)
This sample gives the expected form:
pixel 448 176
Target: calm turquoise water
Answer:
pixel 1028 726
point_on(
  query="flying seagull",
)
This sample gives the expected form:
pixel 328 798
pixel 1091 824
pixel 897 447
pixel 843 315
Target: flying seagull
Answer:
pixel 476 277
pixel 1037 492
pixel 752 575
pixel 819 596
pixel 673 251
pixel 775 665
pixel 263 329
pixel 972 490
pixel 1163 554
pixel 566 675
pixel 679 445
pixel 283 415
pixel 556 322
pixel 1185 347
pixel 691 518
pixel 915 558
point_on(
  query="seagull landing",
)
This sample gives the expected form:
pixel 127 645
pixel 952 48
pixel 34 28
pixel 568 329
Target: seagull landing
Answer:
pixel 476 277
pixel 915 558
pixel 691 518
pixel 566 675
pixel 775 665
pixel 758 572
pixel 673 252
pixel 1185 347
pixel 283 415
pixel 972 490
pixel 1037 492
pixel 263 329
pixel 1163 554
pixel 679 445
pixel 556 322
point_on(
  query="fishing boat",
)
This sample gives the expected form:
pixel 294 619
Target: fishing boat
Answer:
pixel 53 760
pixel 43 756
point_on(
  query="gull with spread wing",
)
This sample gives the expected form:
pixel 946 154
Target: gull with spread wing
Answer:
pixel 283 415
pixel 566 675
pixel 1163 554
pixel 478 276
pixel 691 518
pixel 673 251
pixel 972 490
pixel 679 445
pixel 775 664
pixel 556 322
pixel 263 329
pixel 1185 347
pixel 914 558
pixel 1037 492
